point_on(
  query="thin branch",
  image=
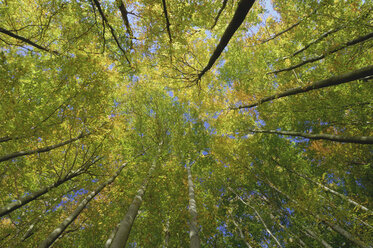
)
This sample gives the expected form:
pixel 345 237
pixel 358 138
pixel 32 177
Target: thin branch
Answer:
pixel 40 150
pixel 219 13
pixel 332 81
pixel 336 138
pixel 314 59
pixel 97 3
pixel 23 39
pixel 284 31
pixel 167 20
pixel 323 36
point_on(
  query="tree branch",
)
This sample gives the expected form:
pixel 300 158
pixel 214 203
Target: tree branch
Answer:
pixel 40 150
pixel 336 138
pixel 124 14
pixel 219 13
pixel 323 36
pixel 23 39
pixel 239 16
pixel 167 20
pixel 333 81
pixel 284 31
pixel 314 59
pixel 97 3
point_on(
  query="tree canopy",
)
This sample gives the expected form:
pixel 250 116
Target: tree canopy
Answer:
pixel 186 123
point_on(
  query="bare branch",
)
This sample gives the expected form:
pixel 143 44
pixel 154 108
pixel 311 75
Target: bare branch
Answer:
pixel 314 59
pixel 336 138
pixel 219 13
pixel 336 80
pixel 167 20
pixel 97 3
pixel 23 39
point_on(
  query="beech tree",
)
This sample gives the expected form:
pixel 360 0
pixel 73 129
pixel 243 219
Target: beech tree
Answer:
pixel 186 123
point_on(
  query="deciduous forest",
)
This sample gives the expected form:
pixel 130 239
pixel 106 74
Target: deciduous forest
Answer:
pixel 222 123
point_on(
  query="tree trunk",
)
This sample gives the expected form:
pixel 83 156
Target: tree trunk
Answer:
pixel 327 189
pixel 332 81
pixel 33 196
pixel 240 232
pixel 111 237
pixel 58 231
pixel 125 225
pixel 259 218
pixel 194 238
pixel 336 138
pixel 40 150
pixel 167 233
pixel 333 226
pixel 239 16
pixel 314 236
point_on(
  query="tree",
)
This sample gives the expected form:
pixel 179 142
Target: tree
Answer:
pixel 186 123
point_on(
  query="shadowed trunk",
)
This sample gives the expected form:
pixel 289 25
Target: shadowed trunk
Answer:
pixel 239 16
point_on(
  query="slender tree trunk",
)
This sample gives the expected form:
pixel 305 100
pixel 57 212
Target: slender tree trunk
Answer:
pixel 338 229
pixel 167 233
pixel 33 196
pixel 333 226
pixel 111 236
pixel 327 189
pixel 332 81
pixel 314 236
pixel 125 225
pixel 59 230
pixel 240 232
pixel 336 138
pixel 259 218
pixel 194 238
pixel 40 150
pixel 302 228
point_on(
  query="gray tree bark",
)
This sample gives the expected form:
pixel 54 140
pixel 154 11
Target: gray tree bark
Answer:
pixel 337 228
pixel 193 234
pixel 59 230
pixel 327 189
pixel 125 225
pixel 240 232
pixel 33 196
